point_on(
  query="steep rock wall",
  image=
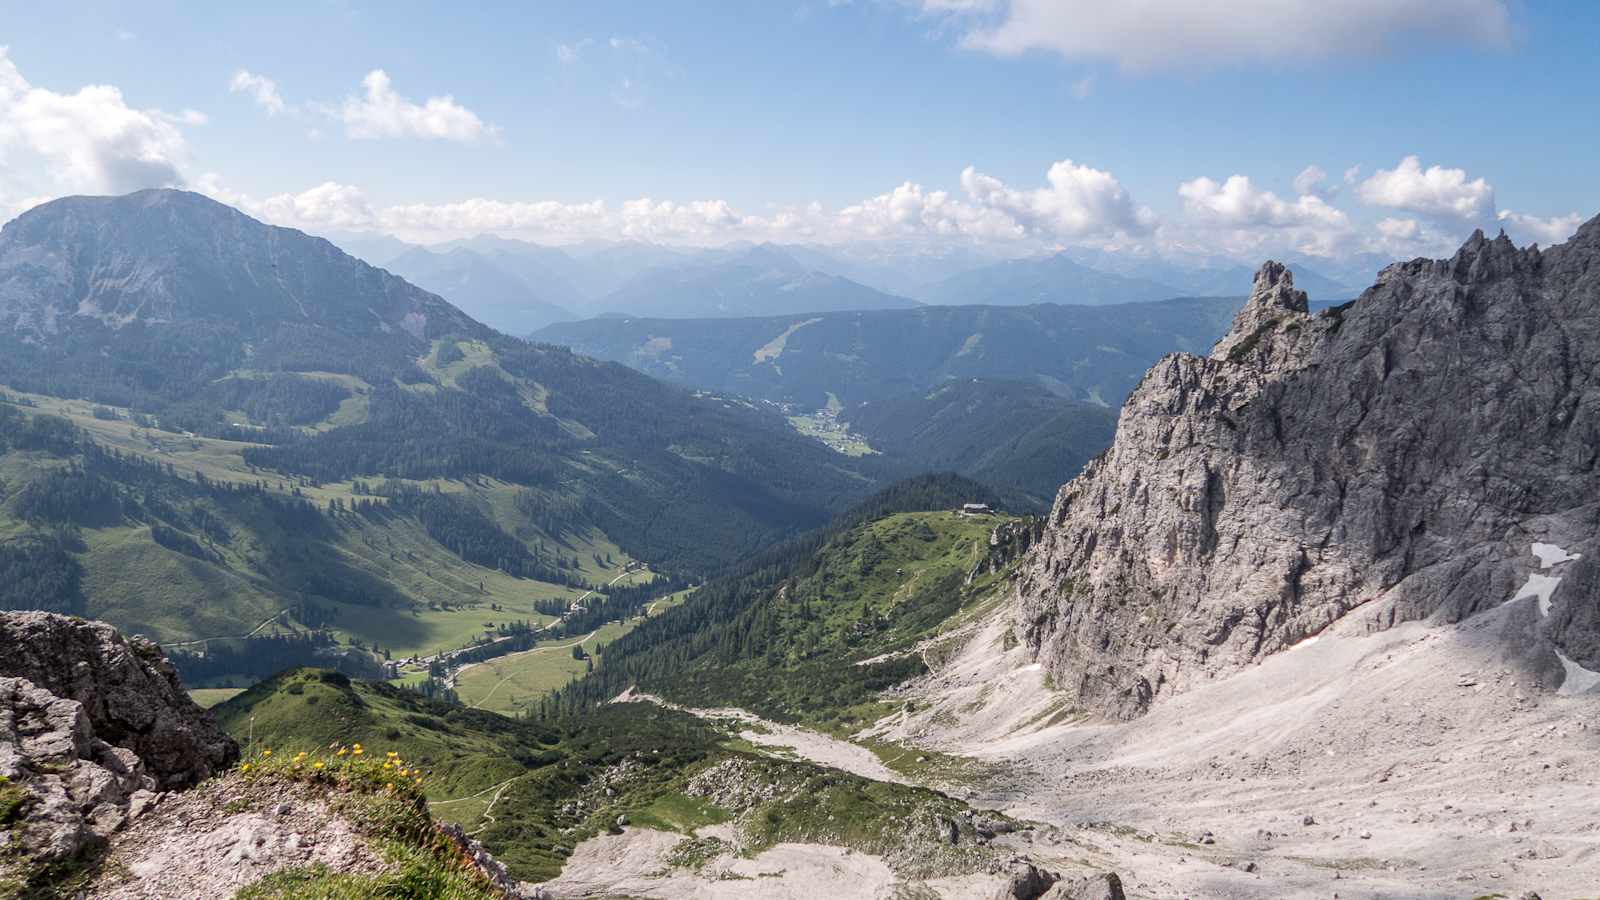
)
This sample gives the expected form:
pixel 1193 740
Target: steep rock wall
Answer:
pixel 1395 455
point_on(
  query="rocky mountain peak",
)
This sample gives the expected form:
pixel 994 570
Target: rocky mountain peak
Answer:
pixel 1274 288
pixel 1273 300
pixel 1388 460
pixel 162 257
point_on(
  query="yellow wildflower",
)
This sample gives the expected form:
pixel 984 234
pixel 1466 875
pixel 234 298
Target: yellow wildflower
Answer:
pixel 267 752
pixel 245 767
pixel 341 752
pixel 357 751
pixel 317 764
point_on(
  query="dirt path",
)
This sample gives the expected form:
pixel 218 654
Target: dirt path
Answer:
pixel 488 811
pixel 802 742
pixel 230 637
pixel 487 818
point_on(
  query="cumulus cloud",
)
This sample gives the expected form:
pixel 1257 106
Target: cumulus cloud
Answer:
pixel 328 206
pixel 1534 230
pixel 1236 202
pixel 1434 191
pixel 381 112
pixel 1400 229
pixel 91 140
pixel 1077 202
pixel 547 219
pixel 1172 34
pixel 1237 217
pixel 1313 181
pixel 263 90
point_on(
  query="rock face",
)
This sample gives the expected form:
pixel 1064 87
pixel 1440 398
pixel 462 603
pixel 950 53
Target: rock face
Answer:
pixel 1395 456
pixel 129 692
pixel 92 726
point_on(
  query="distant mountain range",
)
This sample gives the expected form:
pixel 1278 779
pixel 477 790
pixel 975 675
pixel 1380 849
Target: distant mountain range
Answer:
pixel 761 281
pixel 1094 354
pixel 519 287
pixel 488 292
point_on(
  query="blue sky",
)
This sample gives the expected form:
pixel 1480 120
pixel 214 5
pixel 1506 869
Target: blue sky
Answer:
pixel 799 120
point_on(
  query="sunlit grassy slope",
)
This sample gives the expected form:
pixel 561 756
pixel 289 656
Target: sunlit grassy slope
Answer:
pixel 441 600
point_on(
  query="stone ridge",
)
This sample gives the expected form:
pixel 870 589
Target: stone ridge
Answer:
pixel 92 729
pixel 130 692
pixel 1397 454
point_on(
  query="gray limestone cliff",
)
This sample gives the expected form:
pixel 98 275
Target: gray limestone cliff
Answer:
pixel 1392 459
pixel 93 728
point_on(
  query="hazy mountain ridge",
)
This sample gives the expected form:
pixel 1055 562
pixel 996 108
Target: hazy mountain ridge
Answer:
pixel 760 281
pixel 482 289
pixel 1013 435
pixel 1092 354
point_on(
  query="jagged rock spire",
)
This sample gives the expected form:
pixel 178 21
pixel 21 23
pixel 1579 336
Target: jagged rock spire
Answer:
pixel 1272 299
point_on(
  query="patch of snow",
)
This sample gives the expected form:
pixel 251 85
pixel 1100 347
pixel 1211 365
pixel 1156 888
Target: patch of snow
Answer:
pixel 1551 555
pixel 1540 586
pixel 1578 678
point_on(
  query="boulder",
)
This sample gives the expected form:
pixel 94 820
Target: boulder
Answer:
pixel 1104 886
pixel 92 727
pixel 1026 883
pixel 129 692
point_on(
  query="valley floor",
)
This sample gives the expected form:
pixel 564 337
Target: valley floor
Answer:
pixel 1425 761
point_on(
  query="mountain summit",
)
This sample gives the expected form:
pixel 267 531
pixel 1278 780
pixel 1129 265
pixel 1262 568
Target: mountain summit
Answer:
pixel 174 257
pixel 1396 456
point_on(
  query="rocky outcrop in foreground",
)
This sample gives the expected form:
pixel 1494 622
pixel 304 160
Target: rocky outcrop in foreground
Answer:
pixel 93 728
pixel 1396 456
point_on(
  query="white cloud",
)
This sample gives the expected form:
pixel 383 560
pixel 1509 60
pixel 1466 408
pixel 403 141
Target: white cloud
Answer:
pixel 547 219
pixel 1400 229
pixel 330 205
pixel 1078 202
pixel 1237 217
pixel 90 140
pixel 1313 181
pixel 1400 237
pixel 1083 87
pixel 1436 191
pixel 1236 202
pixel 632 45
pixel 1174 34
pixel 380 112
pixel 1532 229
pixel 909 211
pixel 260 88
